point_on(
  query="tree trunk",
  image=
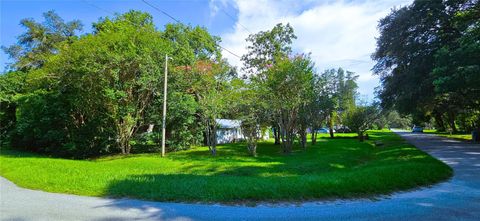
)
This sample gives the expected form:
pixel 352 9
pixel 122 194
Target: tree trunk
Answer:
pixel 290 139
pixel 211 137
pixel 276 135
pixel 125 132
pixel 213 141
pixel 330 125
pixel 314 137
pixel 304 141
pixel 286 138
pixel 250 132
pixel 477 128
pixel 283 138
pixel 252 145
pixel 451 121
pixel 477 140
pixel 439 122
pixel 286 123
pixel 127 145
pixel 360 136
pixel 124 145
pixel 207 135
pixel 303 138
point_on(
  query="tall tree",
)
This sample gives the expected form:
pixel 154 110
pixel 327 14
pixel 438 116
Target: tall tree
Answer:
pixel 286 86
pixel 41 40
pixel 338 95
pixel 264 49
pixel 361 118
pixel 457 67
pixel 347 92
pixel 317 107
pixel 252 110
pixel 415 57
pixel 209 82
pixel 266 46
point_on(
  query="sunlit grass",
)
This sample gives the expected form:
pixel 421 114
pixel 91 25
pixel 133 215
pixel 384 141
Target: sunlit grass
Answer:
pixel 333 168
pixel 464 136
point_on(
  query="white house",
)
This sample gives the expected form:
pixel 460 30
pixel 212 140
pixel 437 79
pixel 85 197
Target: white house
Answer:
pixel 230 131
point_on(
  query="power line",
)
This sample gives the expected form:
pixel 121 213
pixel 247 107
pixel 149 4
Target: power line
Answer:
pixel 97 7
pixel 160 10
pixel 176 20
pixel 230 52
pixel 233 19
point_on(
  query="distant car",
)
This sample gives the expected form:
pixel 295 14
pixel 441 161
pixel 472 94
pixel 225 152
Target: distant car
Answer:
pixel 344 130
pixel 417 129
pixel 323 130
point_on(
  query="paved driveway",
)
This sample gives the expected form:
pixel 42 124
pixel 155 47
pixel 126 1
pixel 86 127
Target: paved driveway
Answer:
pixel 457 199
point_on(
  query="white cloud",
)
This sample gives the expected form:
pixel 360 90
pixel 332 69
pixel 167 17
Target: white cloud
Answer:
pixel 337 33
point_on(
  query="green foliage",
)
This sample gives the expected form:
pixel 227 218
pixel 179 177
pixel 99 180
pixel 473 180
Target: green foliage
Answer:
pixel 362 118
pixel 209 83
pixel 287 86
pixel 392 119
pixel 427 58
pixel 33 128
pixel 395 120
pixel 41 40
pixel 11 84
pixel 182 126
pixel 266 46
pixel 337 95
pixel 457 67
pixel 460 136
pixel 135 20
pixel 48 129
pixel 191 44
pixel 295 98
pixel 252 110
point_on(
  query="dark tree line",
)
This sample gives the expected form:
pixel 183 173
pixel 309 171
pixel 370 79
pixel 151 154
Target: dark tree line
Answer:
pixel 428 59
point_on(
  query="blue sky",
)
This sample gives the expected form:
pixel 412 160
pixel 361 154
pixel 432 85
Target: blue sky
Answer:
pixel 336 33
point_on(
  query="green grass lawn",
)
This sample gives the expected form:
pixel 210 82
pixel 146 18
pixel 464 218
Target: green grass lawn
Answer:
pixel 464 137
pixel 333 168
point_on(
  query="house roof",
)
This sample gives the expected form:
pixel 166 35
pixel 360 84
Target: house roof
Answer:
pixel 228 123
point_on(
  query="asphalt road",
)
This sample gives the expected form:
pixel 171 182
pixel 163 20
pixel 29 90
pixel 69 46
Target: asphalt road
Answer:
pixel 456 199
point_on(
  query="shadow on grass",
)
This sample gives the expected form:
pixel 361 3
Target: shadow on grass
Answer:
pixel 232 189
pixel 225 188
pixel 343 169
pixel 12 153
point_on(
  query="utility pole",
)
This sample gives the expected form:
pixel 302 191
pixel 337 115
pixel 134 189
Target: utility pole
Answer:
pixel 164 118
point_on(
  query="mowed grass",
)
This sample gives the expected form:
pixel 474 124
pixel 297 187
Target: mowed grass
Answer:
pixel 463 137
pixel 333 168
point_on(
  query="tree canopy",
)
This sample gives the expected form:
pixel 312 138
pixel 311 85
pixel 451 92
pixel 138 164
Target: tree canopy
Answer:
pixel 427 59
